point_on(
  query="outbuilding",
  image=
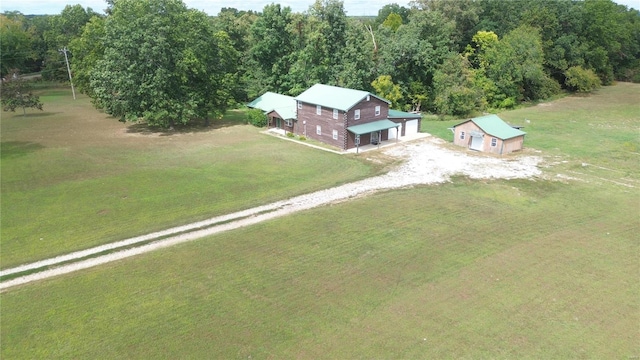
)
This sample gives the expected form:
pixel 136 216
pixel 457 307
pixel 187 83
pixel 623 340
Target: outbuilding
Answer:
pixel 488 134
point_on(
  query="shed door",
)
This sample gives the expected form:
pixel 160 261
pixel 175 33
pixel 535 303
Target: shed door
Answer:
pixel 476 143
pixel 411 128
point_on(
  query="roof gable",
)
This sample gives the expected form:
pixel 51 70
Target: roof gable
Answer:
pixel 334 97
pixel 494 126
pixel 284 105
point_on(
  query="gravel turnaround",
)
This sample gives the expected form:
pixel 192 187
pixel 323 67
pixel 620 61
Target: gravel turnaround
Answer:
pixel 426 161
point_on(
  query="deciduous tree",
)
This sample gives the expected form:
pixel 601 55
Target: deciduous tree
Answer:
pixel 17 93
pixel 163 64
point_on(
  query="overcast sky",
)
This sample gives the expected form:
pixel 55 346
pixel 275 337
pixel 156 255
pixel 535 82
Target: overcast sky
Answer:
pixel 212 7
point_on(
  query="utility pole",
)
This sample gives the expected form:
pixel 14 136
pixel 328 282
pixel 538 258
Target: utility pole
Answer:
pixel 66 59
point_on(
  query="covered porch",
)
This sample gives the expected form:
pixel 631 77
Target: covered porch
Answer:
pixel 370 134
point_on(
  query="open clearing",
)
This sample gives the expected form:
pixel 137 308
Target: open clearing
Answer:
pixel 543 268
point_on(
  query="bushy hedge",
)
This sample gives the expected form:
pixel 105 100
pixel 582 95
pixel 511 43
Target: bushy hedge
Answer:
pixel 581 80
pixel 257 118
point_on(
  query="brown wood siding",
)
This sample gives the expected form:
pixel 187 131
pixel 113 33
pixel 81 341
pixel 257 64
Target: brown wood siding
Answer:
pixel 309 120
pixel 272 122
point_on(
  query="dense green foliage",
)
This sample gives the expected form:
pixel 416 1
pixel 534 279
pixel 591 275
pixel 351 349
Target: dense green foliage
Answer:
pixel 256 117
pixel 163 64
pixel 515 51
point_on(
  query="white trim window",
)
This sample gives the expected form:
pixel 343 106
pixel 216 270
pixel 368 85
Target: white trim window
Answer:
pixel 494 142
pixel 335 134
pixel 377 110
pixel 318 110
pixel 289 122
pixel 299 105
pixel 356 115
pixel 318 130
pixel 461 135
pixel 335 114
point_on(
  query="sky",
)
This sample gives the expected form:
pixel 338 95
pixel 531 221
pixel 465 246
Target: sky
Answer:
pixel 212 7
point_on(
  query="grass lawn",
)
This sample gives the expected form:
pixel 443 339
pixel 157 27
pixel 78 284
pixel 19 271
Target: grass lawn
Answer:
pixel 536 269
pixel 505 269
pixel 73 178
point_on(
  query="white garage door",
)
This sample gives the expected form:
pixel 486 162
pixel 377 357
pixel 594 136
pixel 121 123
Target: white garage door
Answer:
pixel 393 133
pixel 412 128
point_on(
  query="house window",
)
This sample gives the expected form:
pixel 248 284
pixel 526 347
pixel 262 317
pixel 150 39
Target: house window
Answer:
pixel 335 134
pixel 357 114
pixel 318 130
pixel 289 122
pixel 299 105
pixel 335 114
pixel 494 142
pixel 318 110
pixel 377 110
pixel 368 98
pixel 461 135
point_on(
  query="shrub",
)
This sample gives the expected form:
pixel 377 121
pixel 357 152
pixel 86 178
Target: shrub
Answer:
pixel 581 80
pixel 257 118
pixel 290 134
pixel 303 138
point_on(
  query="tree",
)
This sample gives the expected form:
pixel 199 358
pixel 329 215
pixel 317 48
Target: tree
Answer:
pixel 163 64
pixel 271 49
pixel 62 30
pixel 581 80
pixel 453 86
pixel 17 93
pixel 386 89
pixel 393 21
pixel 15 44
pixel 88 48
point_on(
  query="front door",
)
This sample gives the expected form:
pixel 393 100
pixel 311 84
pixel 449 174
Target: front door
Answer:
pixel 374 138
pixel 279 123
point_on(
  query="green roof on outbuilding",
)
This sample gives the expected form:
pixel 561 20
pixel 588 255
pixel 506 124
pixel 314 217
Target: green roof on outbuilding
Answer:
pixel 284 105
pixel 334 97
pixel 494 126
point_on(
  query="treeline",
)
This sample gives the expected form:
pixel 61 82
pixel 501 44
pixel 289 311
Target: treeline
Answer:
pixel 160 60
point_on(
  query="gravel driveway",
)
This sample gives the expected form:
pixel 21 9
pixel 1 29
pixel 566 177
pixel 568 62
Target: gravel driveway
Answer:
pixel 427 161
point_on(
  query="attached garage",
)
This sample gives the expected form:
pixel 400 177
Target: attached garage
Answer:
pixel 488 134
pixel 409 123
pixel 411 127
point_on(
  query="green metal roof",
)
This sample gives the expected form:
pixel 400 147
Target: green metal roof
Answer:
pixel 396 114
pixel 494 126
pixel 284 105
pixel 334 97
pixel 372 127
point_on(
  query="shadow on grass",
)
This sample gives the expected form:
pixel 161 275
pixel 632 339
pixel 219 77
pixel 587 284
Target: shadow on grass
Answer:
pixel 30 115
pixel 199 126
pixel 13 149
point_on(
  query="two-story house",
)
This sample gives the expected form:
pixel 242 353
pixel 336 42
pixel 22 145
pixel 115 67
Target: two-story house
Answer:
pixel 344 118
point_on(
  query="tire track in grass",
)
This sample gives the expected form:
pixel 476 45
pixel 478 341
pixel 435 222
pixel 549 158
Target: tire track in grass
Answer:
pixel 427 163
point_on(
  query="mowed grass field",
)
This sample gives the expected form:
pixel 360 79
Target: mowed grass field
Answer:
pixel 73 178
pixel 543 268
